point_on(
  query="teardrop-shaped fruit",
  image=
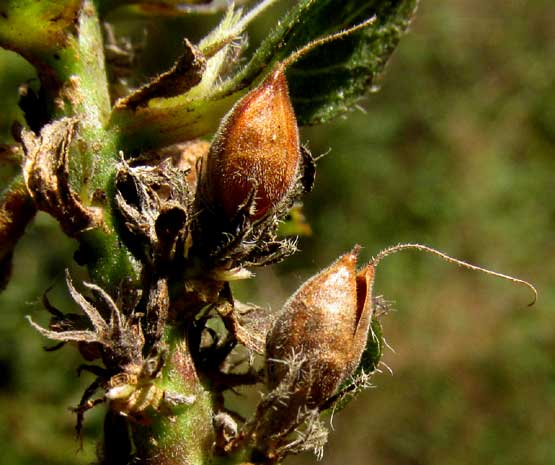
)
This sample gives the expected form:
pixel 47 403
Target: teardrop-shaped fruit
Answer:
pixel 255 151
pixel 326 322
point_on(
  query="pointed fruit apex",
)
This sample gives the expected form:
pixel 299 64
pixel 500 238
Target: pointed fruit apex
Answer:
pixel 255 151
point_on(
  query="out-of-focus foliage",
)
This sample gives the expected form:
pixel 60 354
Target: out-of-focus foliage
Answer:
pixel 456 151
pixel 52 22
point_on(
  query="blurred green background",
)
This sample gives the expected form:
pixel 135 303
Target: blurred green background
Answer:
pixel 456 151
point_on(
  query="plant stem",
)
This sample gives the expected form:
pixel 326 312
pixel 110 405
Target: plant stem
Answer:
pixel 186 436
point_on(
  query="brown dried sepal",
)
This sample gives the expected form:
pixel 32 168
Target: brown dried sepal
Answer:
pixel 248 324
pixel 46 174
pixel 132 360
pixel 186 73
pixel 281 425
pixel 119 335
pixel 153 202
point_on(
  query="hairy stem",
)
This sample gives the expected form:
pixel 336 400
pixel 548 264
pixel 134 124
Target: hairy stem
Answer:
pixel 184 436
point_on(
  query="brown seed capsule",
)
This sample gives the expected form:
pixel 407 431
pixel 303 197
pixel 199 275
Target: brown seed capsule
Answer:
pixel 327 322
pixel 256 150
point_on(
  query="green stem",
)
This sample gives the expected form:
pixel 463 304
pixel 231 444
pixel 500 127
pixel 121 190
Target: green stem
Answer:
pixel 186 436
pixel 84 93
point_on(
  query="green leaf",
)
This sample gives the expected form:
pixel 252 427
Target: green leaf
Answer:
pixel 334 77
pixel 193 113
pixel 374 349
pixel 324 84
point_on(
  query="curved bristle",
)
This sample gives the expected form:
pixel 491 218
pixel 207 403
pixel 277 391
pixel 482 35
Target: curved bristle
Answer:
pixel 424 248
pixel 324 40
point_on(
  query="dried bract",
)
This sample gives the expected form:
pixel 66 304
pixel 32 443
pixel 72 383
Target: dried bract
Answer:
pixel 121 337
pixel 185 74
pixel 46 174
pixel 154 203
pixel 131 361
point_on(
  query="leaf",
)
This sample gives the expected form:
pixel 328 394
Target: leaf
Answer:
pixel 374 349
pixel 186 73
pixel 194 113
pixel 334 77
pixel 324 84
